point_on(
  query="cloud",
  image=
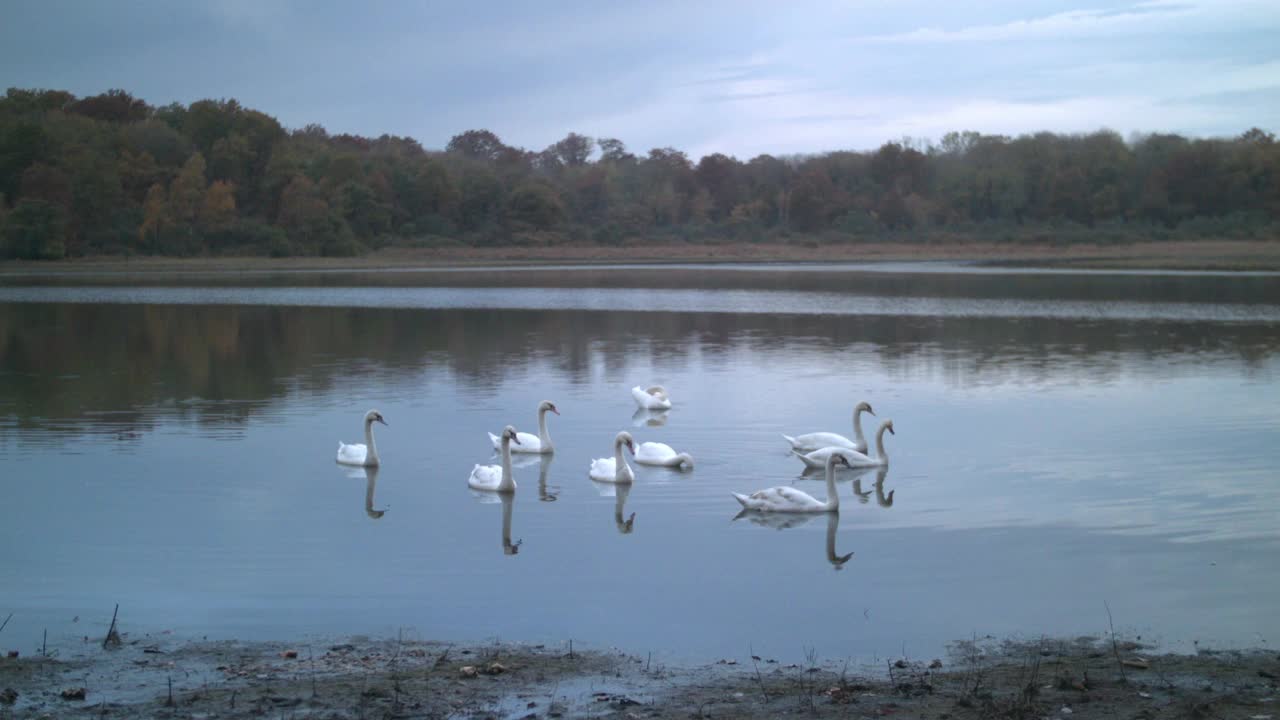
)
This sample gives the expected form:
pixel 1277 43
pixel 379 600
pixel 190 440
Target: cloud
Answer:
pixel 1139 18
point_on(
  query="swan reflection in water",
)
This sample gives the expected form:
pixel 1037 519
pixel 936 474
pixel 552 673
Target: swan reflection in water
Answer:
pixel 649 418
pixel 508 501
pixel 545 493
pixel 370 476
pixel 508 547
pixel 881 499
pixel 785 521
pixel 619 494
pixel 856 475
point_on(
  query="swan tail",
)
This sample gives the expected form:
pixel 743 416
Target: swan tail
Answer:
pixel 742 500
pixel 795 444
pixel 497 441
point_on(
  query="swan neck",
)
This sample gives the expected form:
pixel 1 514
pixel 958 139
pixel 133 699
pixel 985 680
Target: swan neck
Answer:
pixel 543 437
pixel 833 498
pixel 857 427
pixel 684 459
pixel 371 456
pixel 880 453
pixel 508 481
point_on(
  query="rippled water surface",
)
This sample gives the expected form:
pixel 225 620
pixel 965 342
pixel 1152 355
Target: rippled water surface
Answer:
pixel 1061 440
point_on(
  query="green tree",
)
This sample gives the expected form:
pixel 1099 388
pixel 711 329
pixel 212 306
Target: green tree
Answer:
pixel 35 230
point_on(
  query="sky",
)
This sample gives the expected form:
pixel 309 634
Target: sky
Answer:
pixel 741 77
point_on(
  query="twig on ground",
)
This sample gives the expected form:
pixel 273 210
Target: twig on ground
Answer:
pixel 1115 648
pixel 759 679
pixel 113 636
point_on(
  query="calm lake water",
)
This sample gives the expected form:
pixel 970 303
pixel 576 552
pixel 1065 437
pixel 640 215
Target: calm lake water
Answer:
pixel 1063 440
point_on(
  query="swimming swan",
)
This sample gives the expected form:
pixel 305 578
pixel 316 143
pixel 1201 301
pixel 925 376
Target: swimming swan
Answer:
pixel 366 454
pixel 656 453
pixel 614 469
pixel 652 398
pixel 496 478
pixel 789 499
pixel 813 441
pixel 854 458
pixel 540 443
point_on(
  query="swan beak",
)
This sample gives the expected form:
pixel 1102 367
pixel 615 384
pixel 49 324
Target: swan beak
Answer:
pixel 631 446
pixel 891 432
pixel 554 410
pixel 515 439
pixel 384 422
pixel 873 412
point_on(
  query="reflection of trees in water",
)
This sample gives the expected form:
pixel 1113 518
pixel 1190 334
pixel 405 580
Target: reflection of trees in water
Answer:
pixel 64 364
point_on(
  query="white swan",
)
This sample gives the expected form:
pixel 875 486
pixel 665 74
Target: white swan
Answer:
pixel 854 458
pixel 614 469
pixel 813 441
pixel 652 398
pixel 789 499
pixel 496 478
pixel 528 443
pixel 656 453
pixel 366 454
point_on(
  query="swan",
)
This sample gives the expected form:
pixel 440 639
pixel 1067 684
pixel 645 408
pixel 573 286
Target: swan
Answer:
pixel 656 453
pixel 528 443
pixel 789 499
pixel 614 469
pixel 854 458
pixel 496 478
pixel 652 398
pixel 366 454
pixel 814 441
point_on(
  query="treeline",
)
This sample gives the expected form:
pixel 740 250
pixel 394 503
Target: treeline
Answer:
pixel 112 174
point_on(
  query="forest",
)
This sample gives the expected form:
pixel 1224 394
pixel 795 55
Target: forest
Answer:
pixel 111 174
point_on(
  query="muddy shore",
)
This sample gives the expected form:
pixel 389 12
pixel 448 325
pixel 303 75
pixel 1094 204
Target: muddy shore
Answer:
pixel 161 677
pixel 1188 255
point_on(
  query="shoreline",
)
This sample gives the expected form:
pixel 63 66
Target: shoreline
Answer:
pixel 1204 255
pixel 162 677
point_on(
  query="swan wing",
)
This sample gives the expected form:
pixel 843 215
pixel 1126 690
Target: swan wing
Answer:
pixel 655 453
pixel 352 454
pixel 814 441
pixel 528 443
pixel 602 469
pixel 781 499
pixel 650 401
pixel 485 477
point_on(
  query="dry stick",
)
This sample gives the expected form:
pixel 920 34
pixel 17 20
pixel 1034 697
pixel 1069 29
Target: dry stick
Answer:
pixel 1114 647
pixel 6 621
pixel 44 644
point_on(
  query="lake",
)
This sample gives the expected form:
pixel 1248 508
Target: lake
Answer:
pixel 1065 442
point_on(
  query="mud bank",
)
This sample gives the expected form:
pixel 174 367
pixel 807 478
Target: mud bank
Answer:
pixel 363 678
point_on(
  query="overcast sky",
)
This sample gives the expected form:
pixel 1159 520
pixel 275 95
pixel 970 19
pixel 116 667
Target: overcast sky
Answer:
pixel 735 76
